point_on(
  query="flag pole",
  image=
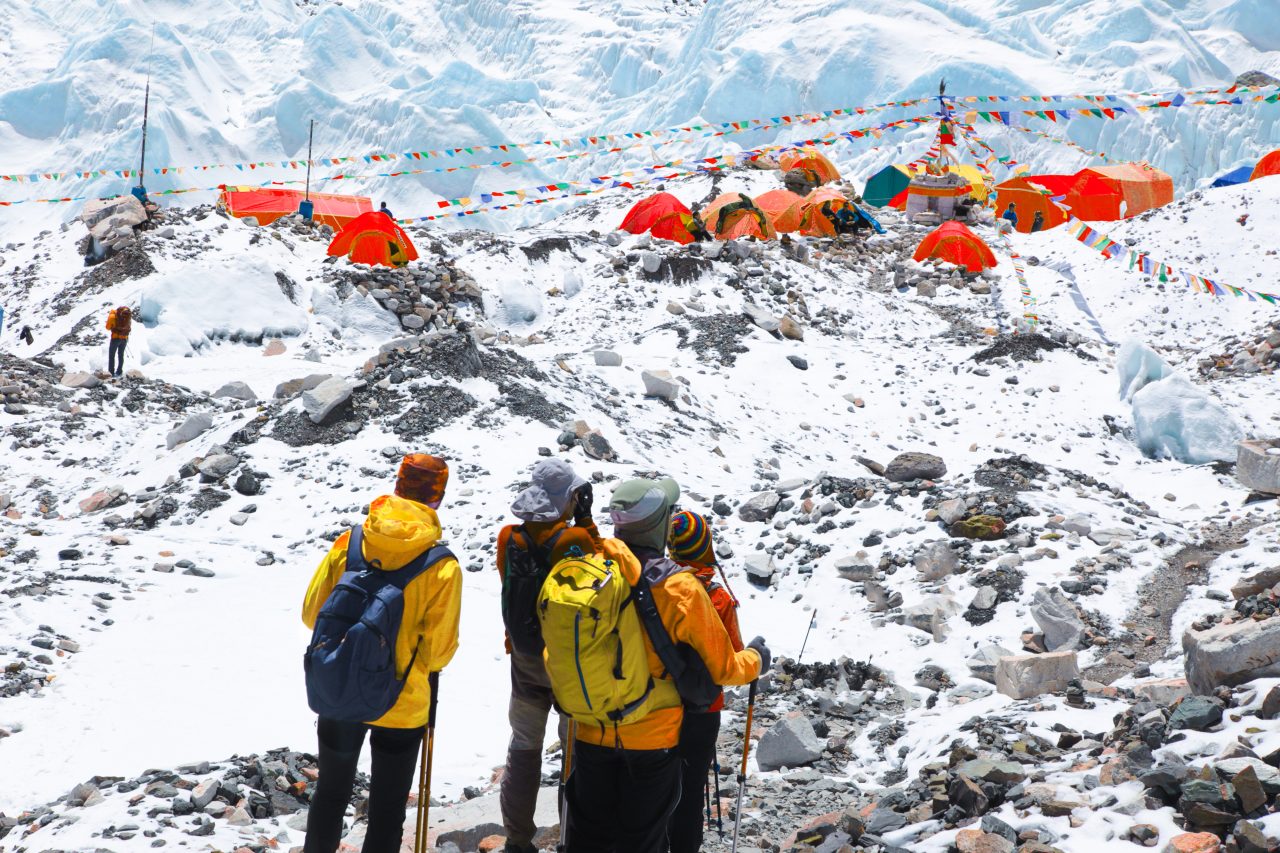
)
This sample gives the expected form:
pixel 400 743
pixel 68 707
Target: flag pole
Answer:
pixel 140 191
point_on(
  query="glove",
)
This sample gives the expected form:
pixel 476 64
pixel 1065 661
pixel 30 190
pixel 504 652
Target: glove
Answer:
pixel 761 649
pixel 583 499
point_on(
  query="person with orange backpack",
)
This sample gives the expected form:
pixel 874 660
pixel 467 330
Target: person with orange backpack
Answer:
pixel 388 578
pixel 526 552
pixel 632 638
pixel 692 546
pixel 119 324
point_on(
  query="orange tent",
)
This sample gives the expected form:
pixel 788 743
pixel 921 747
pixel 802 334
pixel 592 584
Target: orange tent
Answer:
pixel 735 215
pixel 784 208
pixel 955 243
pixel 814 163
pixel 819 205
pixel 644 213
pixel 374 238
pixel 1118 192
pixel 675 226
pixel 1028 200
pixel 1268 165
pixel 267 204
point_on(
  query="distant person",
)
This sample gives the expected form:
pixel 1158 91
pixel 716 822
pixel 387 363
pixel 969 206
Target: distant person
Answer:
pixel 1037 222
pixel 385 211
pixel 398 542
pixel 119 324
pixel 26 336
pixel 1010 214
pixel 1 319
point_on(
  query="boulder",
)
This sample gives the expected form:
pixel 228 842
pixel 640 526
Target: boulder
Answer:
pixel 1079 524
pixel 1198 713
pixel 237 391
pixel 762 318
pixel 951 511
pixel 977 841
pixel 305 383
pixel 1027 676
pixel 218 465
pixel 999 772
pixel 930 614
pixel 1258 465
pixel 982 527
pixel 1193 842
pixel 936 560
pixel 80 380
pixel 982 663
pixel 760 567
pixel 1227 655
pixel 607 358
pixel 855 569
pixel 324 400
pixel 1256 583
pixel 651 262
pixel 915 466
pixel 790 742
pixel 790 329
pixel 659 383
pixel 1056 615
pixel 1163 692
pixel 190 428
pixel 760 507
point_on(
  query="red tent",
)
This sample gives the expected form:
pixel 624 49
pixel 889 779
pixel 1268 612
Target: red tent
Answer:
pixel 1106 193
pixel 1268 165
pixel 675 226
pixel 374 238
pixel 647 211
pixel 955 243
pixel 1028 199
pixel 267 204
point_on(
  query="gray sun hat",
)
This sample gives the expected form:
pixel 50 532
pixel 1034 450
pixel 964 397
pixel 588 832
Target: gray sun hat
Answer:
pixel 550 494
pixel 641 511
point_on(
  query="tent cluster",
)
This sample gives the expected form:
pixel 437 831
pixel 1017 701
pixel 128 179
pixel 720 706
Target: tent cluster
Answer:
pixel 1102 193
pixel 888 187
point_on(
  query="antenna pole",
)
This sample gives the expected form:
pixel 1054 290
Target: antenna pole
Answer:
pixel 311 135
pixel 140 192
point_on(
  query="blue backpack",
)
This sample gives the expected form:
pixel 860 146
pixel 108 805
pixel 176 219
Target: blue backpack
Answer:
pixel 351 661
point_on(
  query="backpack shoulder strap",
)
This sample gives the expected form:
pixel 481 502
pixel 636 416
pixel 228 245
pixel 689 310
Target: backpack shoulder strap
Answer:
pixel 540 552
pixel 355 550
pixel 659 636
pixel 405 575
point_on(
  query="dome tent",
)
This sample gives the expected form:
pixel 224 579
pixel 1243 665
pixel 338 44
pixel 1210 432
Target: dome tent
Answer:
pixel 1268 165
pixel 784 208
pixel 374 238
pixel 679 227
pixel 814 164
pixel 1239 175
pixel 648 210
pixel 886 185
pixel 954 243
pixel 735 215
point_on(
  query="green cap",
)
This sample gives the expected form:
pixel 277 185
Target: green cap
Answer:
pixel 641 511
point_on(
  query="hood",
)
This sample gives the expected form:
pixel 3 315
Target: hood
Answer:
pixel 397 530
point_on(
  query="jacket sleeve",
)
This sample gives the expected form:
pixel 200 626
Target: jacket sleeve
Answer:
pixel 591 530
pixel 727 609
pixel 324 580
pixel 691 618
pixel 443 612
pixel 111 321
pixel 504 538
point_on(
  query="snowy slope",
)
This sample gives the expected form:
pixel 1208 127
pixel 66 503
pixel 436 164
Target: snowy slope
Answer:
pixel 239 82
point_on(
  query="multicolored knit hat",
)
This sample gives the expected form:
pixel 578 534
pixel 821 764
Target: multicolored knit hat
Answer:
pixel 691 539
pixel 422 478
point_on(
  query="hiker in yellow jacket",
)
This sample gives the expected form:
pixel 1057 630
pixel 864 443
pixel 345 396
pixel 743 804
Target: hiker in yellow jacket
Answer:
pixel 626 778
pixel 399 528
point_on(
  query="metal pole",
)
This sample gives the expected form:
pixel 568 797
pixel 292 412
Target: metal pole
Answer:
pixel 742 771
pixel 311 135
pixel 424 780
pixel 566 770
pixel 146 109
pixel 812 619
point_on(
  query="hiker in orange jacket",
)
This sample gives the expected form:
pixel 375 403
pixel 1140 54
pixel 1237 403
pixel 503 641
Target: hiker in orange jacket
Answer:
pixel 555 497
pixel 692 546
pixel 119 324
pixel 399 528
pixel 626 779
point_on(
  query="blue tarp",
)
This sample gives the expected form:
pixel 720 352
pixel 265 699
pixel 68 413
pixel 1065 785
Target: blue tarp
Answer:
pixel 870 220
pixel 1235 176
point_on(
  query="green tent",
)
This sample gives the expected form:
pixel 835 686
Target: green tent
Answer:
pixel 885 185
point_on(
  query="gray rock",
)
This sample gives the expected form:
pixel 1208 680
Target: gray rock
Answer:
pixel 322 402
pixel 936 560
pixel 1057 618
pixel 879 598
pixel 798 363
pixel 951 511
pixel 248 484
pixel 1027 676
pixel 659 383
pixel 790 742
pixel 1267 775
pixel 80 380
pixel 915 466
pixel 607 358
pixel 986 770
pixel 984 599
pixel 761 507
pixel 218 465
pixel 982 663
pixel 1256 583
pixel 1258 465
pixel 237 391
pixel 855 569
pixel 651 262
pixel 306 383
pixel 5 501
pixel 412 322
pixel 1232 654
pixel 930 615
pixel 190 428
pixel 762 318
pixel 239 518
pixel 760 567
pixel 1197 713
pixel 1162 692
pixel 675 308
pixel 1080 524
pixel 204 793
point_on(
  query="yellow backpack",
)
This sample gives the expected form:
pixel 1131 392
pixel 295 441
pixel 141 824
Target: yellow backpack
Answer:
pixel 595 650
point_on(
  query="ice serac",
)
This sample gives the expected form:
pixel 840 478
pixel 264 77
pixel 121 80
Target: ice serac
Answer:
pixel 1139 366
pixel 1174 419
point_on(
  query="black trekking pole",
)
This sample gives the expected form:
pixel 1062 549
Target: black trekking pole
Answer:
pixel 566 770
pixel 742 772
pixel 706 792
pixel 812 619
pixel 719 806
pixel 424 777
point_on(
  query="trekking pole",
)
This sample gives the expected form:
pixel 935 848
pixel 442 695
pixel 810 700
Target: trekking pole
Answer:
pixel 566 768
pixel 706 791
pixel 812 619
pixel 424 777
pixel 742 772
pixel 719 803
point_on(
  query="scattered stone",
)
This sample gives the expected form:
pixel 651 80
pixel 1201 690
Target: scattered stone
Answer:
pixel 1056 615
pixel 790 742
pixel 607 358
pixel 936 560
pixel 981 527
pixel 761 507
pixel 659 383
pixel 1197 713
pixel 760 567
pixel 1028 676
pixel 798 363
pixel 190 428
pixel 790 329
pixel 325 400
pixel 915 466
pixel 237 391
pixel 1256 467
pixel 1193 842
pixel 218 465
pixel 80 380
pixel 1231 654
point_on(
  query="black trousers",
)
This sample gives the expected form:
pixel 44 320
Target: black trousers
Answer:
pixel 621 799
pixel 395 755
pixel 115 356
pixel 697 751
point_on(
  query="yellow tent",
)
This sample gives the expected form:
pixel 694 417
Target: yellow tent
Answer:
pixel 971 174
